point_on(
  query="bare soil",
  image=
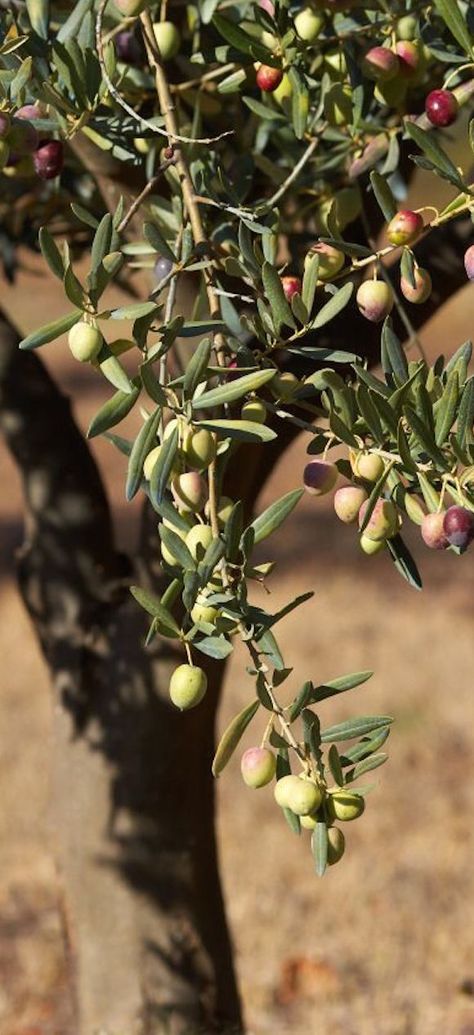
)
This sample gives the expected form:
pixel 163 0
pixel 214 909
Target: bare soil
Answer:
pixel 384 944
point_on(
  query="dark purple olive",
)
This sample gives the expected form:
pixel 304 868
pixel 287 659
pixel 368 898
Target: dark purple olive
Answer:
pixel 128 48
pixel 49 159
pixel 458 526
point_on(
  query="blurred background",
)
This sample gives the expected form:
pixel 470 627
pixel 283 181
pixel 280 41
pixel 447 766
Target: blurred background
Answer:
pixel 384 944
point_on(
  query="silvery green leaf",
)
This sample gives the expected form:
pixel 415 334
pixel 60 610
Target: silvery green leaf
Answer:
pixel 280 309
pixel 144 443
pixel 270 519
pixel 354 728
pixel 232 736
pixel 113 411
pixel 332 308
pixel 319 847
pixel 154 607
pixel 339 686
pixel 236 389
pixel 242 430
pixel 50 331
pixel 162 469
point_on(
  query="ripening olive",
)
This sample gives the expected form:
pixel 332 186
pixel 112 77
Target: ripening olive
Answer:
pixel 189 491
pixel 432 531
pixel 383 521
pixel 258 766
pixel 348 501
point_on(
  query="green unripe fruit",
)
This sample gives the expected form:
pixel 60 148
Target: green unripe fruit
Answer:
pixel 348 501
pixel 308 24
pixel 337 62
pixel 414 508
pixel 283 386
pixel 143 145
pixel 202 612
pixel 375 300
pixel 367 465
pixel 256 30
pixel 224 510
pixel 319 477
pixel 372 546
pixel 188 684
pixel 165 552
pixel 150 462
pixel 198 540
pixel 131 8
pixel 331 260
pixel 383 521
pixel 85 341
pixel 254 410
pixel 168 39
pixel 284 92
pixel 299 795
pixel 189 491
pixel 308 822
pixel 345 805
pixel 199 448
pixel 4 154
pixel 336 845
pixel 407 27
pixel 338 104
pixel 258 766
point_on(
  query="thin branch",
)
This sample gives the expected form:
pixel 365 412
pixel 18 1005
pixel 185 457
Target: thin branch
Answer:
pixel 148 189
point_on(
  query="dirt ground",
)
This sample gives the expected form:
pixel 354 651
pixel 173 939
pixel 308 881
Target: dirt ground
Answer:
pixel 384 944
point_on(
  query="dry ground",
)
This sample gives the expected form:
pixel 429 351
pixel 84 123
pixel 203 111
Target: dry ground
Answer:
pixel 384 945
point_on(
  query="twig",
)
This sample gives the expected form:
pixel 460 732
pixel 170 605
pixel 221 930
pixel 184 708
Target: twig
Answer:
pixel 148 189
pixel 294 173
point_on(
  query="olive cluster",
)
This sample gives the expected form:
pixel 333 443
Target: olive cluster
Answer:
pixel 306 797
pixel 23 152
pixel 439 530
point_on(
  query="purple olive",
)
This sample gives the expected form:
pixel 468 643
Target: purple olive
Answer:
pixel 458 526
pixel 49 159
pixel 162 268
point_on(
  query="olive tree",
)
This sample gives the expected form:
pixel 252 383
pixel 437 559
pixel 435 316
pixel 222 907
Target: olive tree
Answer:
pixel 254 158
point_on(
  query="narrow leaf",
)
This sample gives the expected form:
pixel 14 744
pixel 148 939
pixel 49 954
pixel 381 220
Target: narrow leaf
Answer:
pixel 50 331
pixel 143 444
pixel 112 412
pixel 231 737
pixel 233 390
pixel 274 516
